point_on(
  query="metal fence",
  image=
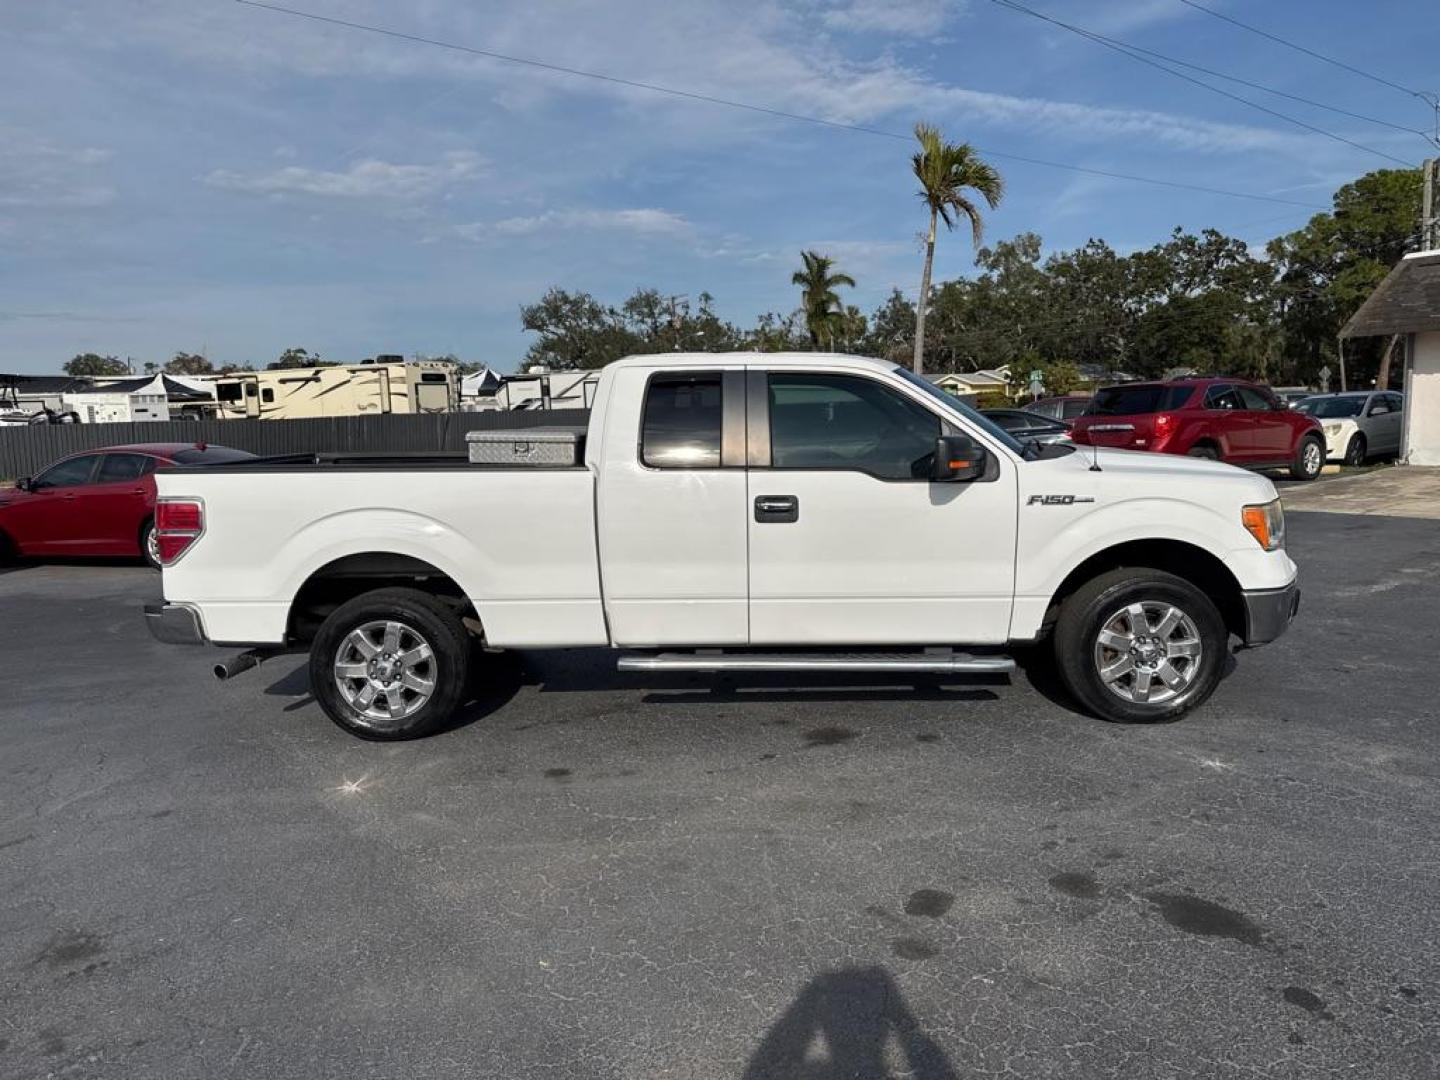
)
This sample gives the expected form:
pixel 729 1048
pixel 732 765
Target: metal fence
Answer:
pixel 24 451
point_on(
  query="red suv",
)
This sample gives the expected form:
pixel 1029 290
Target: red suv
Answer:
pixel 1221 419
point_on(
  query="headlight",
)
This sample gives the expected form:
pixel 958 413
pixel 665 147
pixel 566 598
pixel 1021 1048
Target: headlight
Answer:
pixel 1266 523
pixel 1332 429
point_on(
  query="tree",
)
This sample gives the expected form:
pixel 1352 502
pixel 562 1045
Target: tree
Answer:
pixel 818 300
pixel 189 364
pixel 576 331
pixel 946 171
pixel 892 329
pixel 298 358
pixel 1327 269
pixel 93 364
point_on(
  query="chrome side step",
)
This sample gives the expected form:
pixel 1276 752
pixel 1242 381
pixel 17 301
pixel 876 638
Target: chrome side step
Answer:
pixel 948 662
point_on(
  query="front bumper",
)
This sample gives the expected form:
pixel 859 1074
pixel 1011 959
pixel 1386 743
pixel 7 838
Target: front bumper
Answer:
pixel 174 624
pixel 1269 612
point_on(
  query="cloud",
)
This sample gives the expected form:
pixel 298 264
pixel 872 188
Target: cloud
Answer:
pixel 365 179
pixel 901 18
pixel 37 173
pixel 644 222
pixel 753 51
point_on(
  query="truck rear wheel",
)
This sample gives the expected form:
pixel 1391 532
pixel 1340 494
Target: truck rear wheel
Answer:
pixel 390 664
pixel 1140 645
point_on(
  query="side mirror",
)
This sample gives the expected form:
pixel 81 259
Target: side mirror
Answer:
pixel 957 458
pixel 24 484
pixel 1380 410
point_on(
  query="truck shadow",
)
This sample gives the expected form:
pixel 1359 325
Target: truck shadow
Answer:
pixel 851 1023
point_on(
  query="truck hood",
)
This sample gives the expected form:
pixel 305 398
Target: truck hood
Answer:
pixel 1135 474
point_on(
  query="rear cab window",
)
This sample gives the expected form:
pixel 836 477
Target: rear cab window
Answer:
pixel 681 426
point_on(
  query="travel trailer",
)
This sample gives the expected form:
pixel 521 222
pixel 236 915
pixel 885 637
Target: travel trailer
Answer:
pixel 420 386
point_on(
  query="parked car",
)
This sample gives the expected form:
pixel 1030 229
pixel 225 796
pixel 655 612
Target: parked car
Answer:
pixel 1359 424
pixel 728 512
pixel 1292 395
pixel 1065 408
pixel 1028 426
pixel 1228 420
pixel 98 502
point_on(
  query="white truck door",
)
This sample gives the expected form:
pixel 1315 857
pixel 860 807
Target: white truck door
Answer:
pixel 850 541
pixel 671 507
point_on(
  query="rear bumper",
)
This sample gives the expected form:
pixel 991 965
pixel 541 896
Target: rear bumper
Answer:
pixel 174 624
pixel 1269 612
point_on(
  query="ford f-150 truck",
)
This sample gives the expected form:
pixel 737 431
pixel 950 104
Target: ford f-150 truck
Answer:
pixel 733 512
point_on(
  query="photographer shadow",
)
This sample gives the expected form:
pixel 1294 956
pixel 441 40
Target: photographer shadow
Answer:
pixel 853 1024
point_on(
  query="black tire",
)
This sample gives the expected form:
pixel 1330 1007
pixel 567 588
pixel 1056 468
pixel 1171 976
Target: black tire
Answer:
pixel 1309 459
pixel 147 545
pixel 424 620
pixel 8 554
pixel 1098 603
pixel 1355 451
pixel 1209 453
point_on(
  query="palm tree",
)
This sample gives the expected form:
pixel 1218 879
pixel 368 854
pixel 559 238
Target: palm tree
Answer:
pixel 818 298
pixel 946 171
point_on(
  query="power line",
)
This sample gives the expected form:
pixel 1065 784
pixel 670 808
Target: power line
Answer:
pixel 1260 86
pixel 1429 98
pixel 1138 57
pixel 750 107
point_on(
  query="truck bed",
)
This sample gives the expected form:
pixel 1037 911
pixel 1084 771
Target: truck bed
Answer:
pixel 518 540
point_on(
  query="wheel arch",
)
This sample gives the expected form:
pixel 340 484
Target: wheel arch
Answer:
pixel 1183 559
pixel 349 576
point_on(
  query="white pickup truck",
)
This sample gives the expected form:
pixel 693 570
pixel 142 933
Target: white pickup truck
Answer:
pixel 733 512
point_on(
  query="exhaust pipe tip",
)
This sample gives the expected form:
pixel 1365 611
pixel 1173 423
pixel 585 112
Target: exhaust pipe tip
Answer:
pixel 228 669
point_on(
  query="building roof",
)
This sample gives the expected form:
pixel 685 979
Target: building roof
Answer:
pixel 173 389
pixel 43 384
pixel 1406 302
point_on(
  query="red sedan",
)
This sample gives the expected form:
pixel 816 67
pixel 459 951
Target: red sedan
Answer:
pixel 98 502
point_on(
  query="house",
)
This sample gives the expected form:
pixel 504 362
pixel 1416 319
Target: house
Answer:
pixel 1407 302
pixel 970 383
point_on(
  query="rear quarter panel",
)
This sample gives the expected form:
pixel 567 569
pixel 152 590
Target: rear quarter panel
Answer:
pixel 520 543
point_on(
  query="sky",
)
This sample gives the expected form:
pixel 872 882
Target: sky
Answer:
pixel 208 176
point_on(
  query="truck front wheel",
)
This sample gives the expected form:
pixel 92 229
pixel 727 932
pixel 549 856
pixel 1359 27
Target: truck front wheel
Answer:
pixel 1140 645
pixel 390 664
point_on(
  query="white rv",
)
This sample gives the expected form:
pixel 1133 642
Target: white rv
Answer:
pixel 421 386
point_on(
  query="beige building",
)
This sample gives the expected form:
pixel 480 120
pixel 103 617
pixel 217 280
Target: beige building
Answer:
pixel 1407 302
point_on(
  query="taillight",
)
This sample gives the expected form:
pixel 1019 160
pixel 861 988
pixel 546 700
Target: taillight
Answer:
pixel 178 524
pixel 1162 422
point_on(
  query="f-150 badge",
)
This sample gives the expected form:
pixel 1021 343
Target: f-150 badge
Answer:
pixel 1058 500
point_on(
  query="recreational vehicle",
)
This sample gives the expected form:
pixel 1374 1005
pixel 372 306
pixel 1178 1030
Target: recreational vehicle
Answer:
pixel 340 390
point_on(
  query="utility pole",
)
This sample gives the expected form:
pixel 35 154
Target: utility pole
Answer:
pixel 1340 351
pixel 1429 206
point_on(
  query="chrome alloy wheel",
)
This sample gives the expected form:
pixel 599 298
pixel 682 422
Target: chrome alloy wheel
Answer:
pixel 152 547
pixel 1148 653
pixel 385 671
pixel 1312 458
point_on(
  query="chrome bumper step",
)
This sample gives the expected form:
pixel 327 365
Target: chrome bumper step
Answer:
pixel 930 663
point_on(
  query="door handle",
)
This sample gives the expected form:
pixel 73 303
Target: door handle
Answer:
pixel 777 509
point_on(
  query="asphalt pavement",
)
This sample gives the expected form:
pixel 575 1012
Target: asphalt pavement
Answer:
pixel 779 878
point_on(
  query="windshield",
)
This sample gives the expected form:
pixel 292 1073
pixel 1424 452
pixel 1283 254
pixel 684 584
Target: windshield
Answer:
pixel 984 423
pixel 1331 408
pixel 1130 400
